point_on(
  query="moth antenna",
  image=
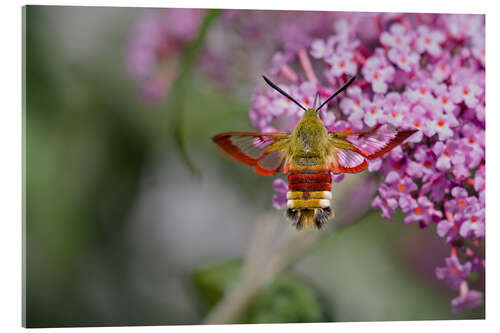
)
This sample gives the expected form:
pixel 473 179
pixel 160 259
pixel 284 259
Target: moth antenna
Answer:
pixel 316 99
pixel 282 92
pixel 344 87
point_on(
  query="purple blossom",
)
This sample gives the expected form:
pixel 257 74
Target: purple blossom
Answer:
pixel 423 212
pixel 471 299
pixel 395 108
pixel 279 198
pixel 444 99
pixel 467 298
pixel 467 93
pixel 437 187
pixel 480 180
pixel 387 206
pixel 398 37
pixel 451 156
pixel 402 184
pixel 337 178
pixel 373 110
pixel 420 92
pixel 478 48
pixel 473 225
pixel 378 72
pixel 423 165
pixel 442 124
pixel 454 273
pixel 429 40
pixel 352 106
pixel 463 26
pixel 474 144
pixel 342 63
pixel 404 58
pixel 443 68
pixel 448 229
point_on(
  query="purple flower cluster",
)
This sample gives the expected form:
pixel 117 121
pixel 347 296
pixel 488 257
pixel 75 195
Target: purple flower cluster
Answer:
pixel 152 56
pixel 423 71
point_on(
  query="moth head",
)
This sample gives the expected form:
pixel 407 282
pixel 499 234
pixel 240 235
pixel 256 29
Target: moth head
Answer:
pixel 311 113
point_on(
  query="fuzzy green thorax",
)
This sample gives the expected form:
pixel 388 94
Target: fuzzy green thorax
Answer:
pixel 309 139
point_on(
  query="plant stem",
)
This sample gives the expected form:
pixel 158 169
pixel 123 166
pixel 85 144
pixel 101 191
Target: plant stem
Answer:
pixel 177 96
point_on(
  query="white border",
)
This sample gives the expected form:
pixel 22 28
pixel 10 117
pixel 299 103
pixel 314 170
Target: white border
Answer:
pixel 476 7
pixel 10 181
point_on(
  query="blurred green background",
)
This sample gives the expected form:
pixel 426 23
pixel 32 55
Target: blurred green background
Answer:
pixel 118 231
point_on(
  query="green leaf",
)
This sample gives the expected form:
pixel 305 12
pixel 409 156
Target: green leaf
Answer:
pixel 287 299
pixel 212 282
pixel 473 276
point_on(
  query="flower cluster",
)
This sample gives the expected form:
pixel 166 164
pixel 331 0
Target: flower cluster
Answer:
pixel 423 71
pixel 152 56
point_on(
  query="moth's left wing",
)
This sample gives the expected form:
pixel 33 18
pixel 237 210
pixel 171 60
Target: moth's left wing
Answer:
pixel 351 149
pixel 264 151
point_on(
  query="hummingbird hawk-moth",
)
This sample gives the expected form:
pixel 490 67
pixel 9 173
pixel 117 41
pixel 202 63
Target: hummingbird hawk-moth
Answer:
pixel 309 155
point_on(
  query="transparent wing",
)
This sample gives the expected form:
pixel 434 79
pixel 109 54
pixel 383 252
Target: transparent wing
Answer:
pixel 264 151
pixel 372 143
pixel 346 161
pixel 351 149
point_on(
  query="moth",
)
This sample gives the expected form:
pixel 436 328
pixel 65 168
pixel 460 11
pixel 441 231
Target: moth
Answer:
pixel 309 155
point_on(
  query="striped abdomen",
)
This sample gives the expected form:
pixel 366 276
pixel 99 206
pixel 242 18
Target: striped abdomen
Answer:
pixel 308 198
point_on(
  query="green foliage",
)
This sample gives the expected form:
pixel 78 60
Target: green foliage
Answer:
pixel 473 276
pixel 212 282
pixel 287 299
pixel 177 96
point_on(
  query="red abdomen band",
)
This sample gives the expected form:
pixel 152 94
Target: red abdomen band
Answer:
pixel 309 187
pixel 308 182
pixel 309 178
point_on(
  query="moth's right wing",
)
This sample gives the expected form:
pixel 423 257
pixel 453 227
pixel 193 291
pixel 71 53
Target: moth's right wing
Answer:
pixel 266 152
